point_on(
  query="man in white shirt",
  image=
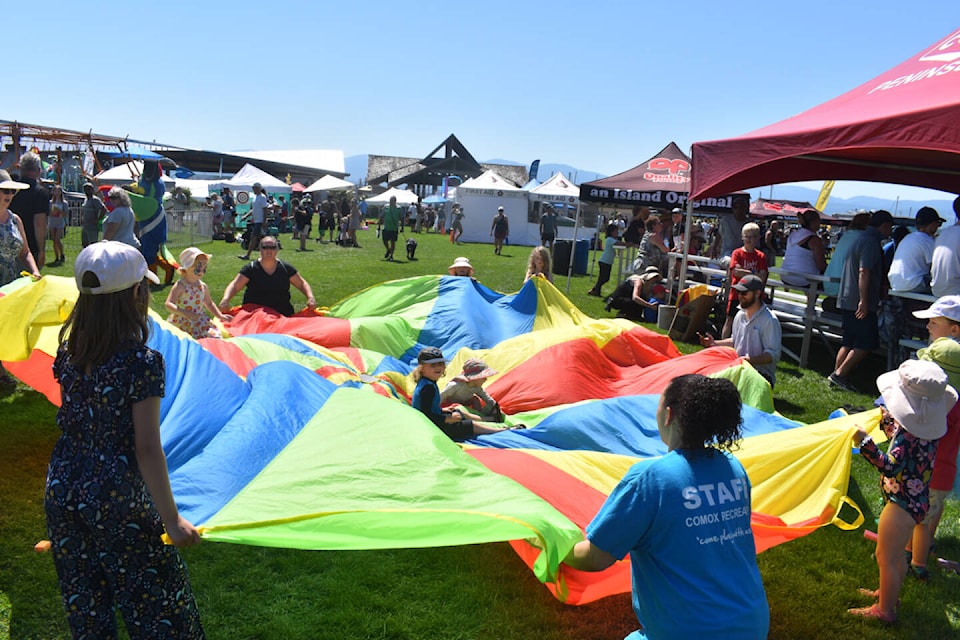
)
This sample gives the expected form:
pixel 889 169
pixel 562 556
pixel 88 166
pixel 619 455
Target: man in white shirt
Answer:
pixel 910 269
pixel 756 332
pixel 945 267
pixel 257 216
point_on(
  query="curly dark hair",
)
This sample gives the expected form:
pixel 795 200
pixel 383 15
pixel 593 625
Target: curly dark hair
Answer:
pixel 706 411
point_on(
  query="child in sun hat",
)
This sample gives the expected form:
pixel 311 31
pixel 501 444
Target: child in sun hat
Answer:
pixel 461 267
pixel 467 390
pixel 917 399
pixel 190 295
pixel 431 366
pixel 943 318
pixel 945 353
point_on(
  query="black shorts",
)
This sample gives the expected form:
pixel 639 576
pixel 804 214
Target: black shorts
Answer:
pixel 547 238
pixel 258 229
pixel 860 334
pixel 389 236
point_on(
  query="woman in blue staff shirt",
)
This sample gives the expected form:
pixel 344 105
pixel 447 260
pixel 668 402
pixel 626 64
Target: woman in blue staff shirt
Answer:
pixel 684 518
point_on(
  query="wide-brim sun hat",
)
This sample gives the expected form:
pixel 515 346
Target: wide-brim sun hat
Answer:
pixel 918 396
pixel 189 256
pixel 6 182
pixel 458 263
pixel 650 273
pixel 475 369
pixel 116 265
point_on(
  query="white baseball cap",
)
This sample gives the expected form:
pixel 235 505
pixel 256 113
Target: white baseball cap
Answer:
pixel 946 306
pixel 116 265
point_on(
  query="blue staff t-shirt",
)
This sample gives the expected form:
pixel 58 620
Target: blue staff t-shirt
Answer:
pixel 684 519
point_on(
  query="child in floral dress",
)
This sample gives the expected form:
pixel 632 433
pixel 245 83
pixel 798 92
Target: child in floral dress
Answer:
pixel 189 296
pixel 917 399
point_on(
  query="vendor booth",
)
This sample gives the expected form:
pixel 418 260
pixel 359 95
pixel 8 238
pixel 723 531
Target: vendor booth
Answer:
pixel 404 197
pixel 479 199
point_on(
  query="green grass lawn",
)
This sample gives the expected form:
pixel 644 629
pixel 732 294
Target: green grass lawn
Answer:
pixel 483 591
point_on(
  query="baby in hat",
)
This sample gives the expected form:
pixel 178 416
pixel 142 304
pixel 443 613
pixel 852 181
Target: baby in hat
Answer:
pixel 467 390
pixel 917 398
pixel 190 295
pixel 945 353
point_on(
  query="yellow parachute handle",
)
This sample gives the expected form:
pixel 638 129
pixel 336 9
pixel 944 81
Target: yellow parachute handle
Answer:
pixel 842 524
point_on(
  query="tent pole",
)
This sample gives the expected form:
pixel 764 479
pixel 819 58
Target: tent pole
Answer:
pixel 688 224
pixel 573 247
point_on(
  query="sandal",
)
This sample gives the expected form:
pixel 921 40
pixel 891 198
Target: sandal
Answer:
pixel 920 573
pixel 873 612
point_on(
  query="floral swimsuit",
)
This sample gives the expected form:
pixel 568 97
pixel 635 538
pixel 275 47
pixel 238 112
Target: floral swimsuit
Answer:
pixel 905 470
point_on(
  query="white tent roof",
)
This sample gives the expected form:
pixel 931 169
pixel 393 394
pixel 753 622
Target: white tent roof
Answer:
pixel 489 180
pixel 329 183
pixel 244 179
pixel 129 172
pixel 556 188
pixel 403 197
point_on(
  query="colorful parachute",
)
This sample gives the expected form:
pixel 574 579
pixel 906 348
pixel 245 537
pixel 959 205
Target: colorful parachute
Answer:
pixel 297 432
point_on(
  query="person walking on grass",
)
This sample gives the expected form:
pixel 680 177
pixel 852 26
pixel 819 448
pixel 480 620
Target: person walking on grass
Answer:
pixel 606 260
pixel 391 222
pixel 500 229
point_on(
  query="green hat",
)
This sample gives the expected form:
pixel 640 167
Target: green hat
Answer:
pixel 946 353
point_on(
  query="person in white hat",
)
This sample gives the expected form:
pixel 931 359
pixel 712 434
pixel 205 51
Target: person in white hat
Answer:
pixel 107 490
pixel 943 318
pixel 190 296
pixel 14 248
pixel 461 267
pixel 917 398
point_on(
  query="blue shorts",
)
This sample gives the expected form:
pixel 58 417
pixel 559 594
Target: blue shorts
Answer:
pixel 860 334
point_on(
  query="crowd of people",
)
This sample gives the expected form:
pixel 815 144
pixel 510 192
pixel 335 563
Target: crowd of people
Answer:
pixel 698 418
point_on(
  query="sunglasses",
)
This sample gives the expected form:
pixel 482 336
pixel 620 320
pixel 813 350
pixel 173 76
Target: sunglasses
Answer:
pixel 9 192
pixel 270 247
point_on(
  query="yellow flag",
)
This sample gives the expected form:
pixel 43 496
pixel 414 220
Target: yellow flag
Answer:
pixel 824 194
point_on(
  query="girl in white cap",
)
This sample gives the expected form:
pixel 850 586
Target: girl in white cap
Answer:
pixel 190 295
pixel 107 498
pixel 917 399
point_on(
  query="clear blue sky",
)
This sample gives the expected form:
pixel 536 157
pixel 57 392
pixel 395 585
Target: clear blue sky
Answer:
pixel 598 85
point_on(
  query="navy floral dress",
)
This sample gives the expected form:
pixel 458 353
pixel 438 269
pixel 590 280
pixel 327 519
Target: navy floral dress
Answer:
pixel 905 470
pixel 104 528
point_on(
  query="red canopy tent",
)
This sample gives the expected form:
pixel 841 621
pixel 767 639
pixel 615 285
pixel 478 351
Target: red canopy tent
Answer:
pixel 662 182
pixel 902 127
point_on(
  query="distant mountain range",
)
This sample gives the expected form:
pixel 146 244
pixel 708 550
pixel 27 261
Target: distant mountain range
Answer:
pixel 356 166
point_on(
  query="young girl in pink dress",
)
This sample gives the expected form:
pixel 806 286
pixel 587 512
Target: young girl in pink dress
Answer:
pixel 190 295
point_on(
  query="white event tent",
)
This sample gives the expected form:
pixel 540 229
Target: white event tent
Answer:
pixel 404 197
pixel 479 198
pixel 244 180
pixel 329 183
pixel 560 192
pixel 126 173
